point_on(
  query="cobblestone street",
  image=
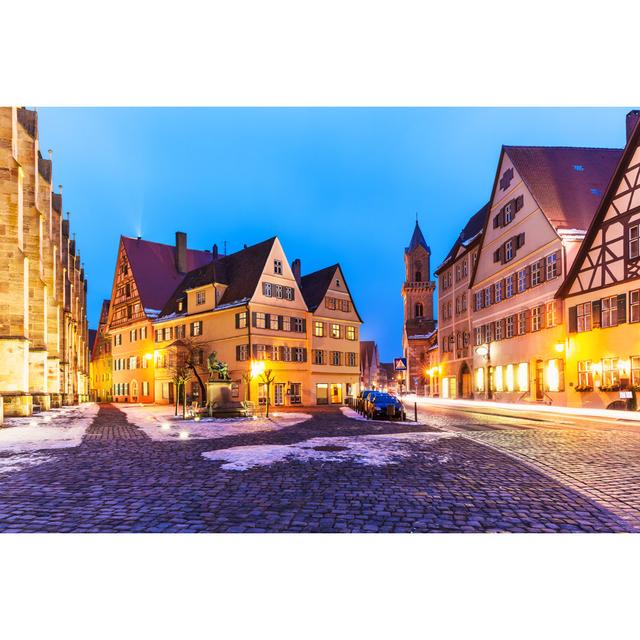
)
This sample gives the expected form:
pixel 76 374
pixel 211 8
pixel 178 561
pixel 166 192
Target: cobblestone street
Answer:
pixel 120 480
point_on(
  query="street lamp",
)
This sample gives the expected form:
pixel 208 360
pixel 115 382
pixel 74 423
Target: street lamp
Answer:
pixel 484 350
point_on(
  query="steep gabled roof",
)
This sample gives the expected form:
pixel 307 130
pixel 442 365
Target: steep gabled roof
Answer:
pixel 368 350
pixel 314 287
pixel 468 236
pixel 566 182
pixel 605 202
pixel 154 269
pixel 241 271
pixel 417 240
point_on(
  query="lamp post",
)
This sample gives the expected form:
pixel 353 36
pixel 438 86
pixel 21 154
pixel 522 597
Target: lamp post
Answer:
pixel 484 350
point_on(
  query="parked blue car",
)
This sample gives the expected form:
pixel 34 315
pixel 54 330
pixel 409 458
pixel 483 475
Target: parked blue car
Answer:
pixel 384 405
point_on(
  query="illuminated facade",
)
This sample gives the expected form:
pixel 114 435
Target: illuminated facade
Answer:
pixel 542 202
pixel 453 377
pixel 43 327
pixel 602 293
pixel 101 365
pixel 247 307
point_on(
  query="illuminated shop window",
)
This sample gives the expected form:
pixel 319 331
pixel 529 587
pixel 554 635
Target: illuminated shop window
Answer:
pixel 523 376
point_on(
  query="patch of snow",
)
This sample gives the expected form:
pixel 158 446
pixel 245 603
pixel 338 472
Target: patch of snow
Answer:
pixel 55 429
pixel 21 461
pixel 348 412
pixel 373 450
pixel 160 423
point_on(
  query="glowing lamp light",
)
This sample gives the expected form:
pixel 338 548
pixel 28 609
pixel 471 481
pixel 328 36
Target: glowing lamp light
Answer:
pixel 184 435
pixel 523 376
pixel 482 350
pixel 553 375
pixel 559 347
pixel 165 426
pixel 257 367
pixel 33 423
pixel 148 356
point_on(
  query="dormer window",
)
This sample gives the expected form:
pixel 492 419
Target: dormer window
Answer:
pixel 200 297
pixel 277 267
pixel 180 305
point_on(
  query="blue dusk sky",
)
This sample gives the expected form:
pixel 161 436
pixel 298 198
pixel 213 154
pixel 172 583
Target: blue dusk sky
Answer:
pixel 334 184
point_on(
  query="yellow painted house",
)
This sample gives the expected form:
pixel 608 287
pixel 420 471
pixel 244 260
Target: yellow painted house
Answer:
pixel 602 293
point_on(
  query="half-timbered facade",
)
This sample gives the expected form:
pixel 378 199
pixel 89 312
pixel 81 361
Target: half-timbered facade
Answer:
pixel 542 202
pixel 455 347
pixel 602 292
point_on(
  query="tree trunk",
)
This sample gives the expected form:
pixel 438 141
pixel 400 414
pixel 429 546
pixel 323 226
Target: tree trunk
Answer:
pixel 184 401
pixel 177 390
pixel 203 390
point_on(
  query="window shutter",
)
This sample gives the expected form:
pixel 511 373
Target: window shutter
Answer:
pixel 622 308
pixel 496 221
pixel 304 355
pixel 519 201
pixel 280 322
pixel 501 217
pixel 304 326
pixel 543 269
pixel 267 320
pixel 542 310
pixel 237 349
pixel 269 351
pixel 501 253
pixel 502 327
pixel 573 319
pixel 253 318
pixel 527 321
pixel 254 350
pixel 559 261
pixel 596 313
pixel 527 277
pixel 519 240
pixel 559 310
pixel 237 320
pixel 496 255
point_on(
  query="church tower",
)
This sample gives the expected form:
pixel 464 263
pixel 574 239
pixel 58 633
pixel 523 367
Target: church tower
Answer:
pixel 419 331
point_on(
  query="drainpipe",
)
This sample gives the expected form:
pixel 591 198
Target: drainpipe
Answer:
pixel 250 350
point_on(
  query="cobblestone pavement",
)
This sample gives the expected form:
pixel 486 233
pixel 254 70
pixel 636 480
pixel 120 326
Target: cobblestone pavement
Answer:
pixel 601 461
pixel 120 480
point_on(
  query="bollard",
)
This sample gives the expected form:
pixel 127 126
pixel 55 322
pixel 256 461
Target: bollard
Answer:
pixel 415 411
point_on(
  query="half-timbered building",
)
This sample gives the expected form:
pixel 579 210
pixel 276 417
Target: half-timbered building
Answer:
pixel 602 292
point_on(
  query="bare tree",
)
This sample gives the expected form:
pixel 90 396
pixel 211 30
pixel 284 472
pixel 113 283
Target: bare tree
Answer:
pixel 191 354
pixel 267 378
pixel 180 373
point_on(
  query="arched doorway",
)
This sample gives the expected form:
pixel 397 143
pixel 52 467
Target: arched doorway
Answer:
pixel 465 386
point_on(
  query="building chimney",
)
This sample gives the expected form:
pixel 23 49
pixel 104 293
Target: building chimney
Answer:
pixel 181 252
pixel 215 252
pixel 296 267
pixel 632 121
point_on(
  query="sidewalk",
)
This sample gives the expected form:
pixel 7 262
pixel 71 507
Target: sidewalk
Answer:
pixel 489 406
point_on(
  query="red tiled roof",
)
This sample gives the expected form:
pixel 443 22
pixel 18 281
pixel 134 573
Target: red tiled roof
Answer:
pixel 154 269
pixel 567 182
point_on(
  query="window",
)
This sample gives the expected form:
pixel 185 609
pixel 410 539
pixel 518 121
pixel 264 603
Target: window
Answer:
pixel 508 250
pixel 478 334
pixel 479 379
pixel 273 322
pixel 266 289
pixel 288 293
pixel 552 266
pixel 522 323
pixel 277 267
pixel 298 325
pixel 117 339
pixel 143 333
pixel 133 362
pixel 279 289
pixel 508 212
pixel 299 354
pixel 336 358
pixel 522 280
pixel 260 351
pixel 318 356
pixel 583 315
pixel 419 310
pixel 478 300
pixel 487 297
pixel 330 303
pixel 132 335
pixel 508 286
pixel 168 331
pixel 498 291
pixel 523 376
pixel 499 326
pixel 352 360
pixel 322 393
pixel 585 375
pixel 260 320
pixel 635 370
pixel 535 274
pixel 463 302
pixel 351 333
pixel 634 241
pixel 634 306
pixel 286 353
pixel 295 392
pixel 536 318
pixel 201 297
pixel 610 311
pixel 335 331
pixel 241 320
pixel 610 374
pixel 550 310
pixel 196 328
pixel 509 324
pixel 286 323
pixel 418 276
pixel 465 268
pixel 555 375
